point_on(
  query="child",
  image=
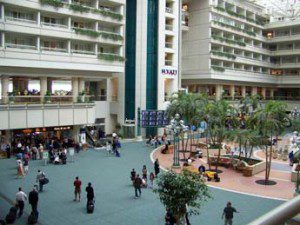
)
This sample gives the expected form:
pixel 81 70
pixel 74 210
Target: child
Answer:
pixel 26 165
pixel 151 179
pixel 20 169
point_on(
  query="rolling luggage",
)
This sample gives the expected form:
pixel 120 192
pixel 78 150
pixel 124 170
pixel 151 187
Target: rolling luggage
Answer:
pixel 33 217
pixel 90 207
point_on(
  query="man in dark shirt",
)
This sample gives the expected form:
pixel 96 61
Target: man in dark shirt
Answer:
pixel 228 212
pixel 33 199
pixel 137 186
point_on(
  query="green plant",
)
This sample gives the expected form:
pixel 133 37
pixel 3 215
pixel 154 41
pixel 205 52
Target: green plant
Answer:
pixel 224 54
pixel 111 57
pixel 87 32
pixel 229 41
pixel 79 8
pixel 110 14
pixel 218 68
pixel 176 191
pixel 112 36
pixel 47 97
pixel 251 33
pixel 54 3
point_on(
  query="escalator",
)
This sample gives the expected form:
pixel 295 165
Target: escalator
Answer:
pixel 89 137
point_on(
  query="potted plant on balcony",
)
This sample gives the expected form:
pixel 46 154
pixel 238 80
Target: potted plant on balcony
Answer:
pixel 47 97
pixel 81 97
pixel 11 97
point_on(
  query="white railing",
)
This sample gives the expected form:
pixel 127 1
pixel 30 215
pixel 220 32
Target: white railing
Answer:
pixel 169 27
pixel 85 52
pixel 54 25
pixel 49 49
pixel 10 18
pixel 281 214
pixel 10 45
pixel 169 45
pixel 169 10
pixel 108 53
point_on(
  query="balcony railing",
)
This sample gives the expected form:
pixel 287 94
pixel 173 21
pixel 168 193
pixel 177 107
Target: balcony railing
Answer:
pixel 169 45
pixel 168 62
pixel 49 49
pixel 10 18
pixel 169 27
pixel 169 10
pixel 84 52
pixel 11 45
pixel 54 25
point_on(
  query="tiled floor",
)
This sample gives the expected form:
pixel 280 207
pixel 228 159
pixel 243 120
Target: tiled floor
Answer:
pixel 115 203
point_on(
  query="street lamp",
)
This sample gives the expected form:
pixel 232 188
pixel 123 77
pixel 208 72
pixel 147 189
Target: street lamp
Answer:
pixel 176 127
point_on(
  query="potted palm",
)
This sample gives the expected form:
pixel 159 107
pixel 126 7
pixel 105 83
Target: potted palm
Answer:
pixel 11 97
pixel 47 97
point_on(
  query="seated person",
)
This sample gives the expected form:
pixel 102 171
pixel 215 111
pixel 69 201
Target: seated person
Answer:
pixel 56 159
pixel 216 177
pixel 144 183
pixel 201 169
pixel 148 142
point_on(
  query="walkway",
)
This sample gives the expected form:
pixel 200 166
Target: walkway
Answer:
pixel 114 194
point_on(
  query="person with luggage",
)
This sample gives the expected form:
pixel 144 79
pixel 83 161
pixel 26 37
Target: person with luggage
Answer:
pixel 33 199
pixel 77 191
pixel 41 180
pixel 90 196
pixel 21 197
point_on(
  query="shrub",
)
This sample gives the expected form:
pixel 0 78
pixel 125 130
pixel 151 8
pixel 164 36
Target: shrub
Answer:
pixel 54 3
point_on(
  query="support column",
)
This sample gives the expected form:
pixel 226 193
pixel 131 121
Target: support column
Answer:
pixel 43 87
pixel 272 93
pixel 96 49
pixel 232 92
pixel 49 84
pixel 3 39
pixel 81 85
pixel 4 89
pixel 38 43
pixel 254 91
pixel 69 23
pixel 69 47
pixel 96 26
pixel 243 91
pixel 97 4
pixel 2 12
pixel 38 18
pixel 109 89
pixel 219 91
pixel 75 88
pixel 263 93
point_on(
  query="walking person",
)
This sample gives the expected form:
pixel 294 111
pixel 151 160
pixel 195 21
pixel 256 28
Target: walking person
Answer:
pixel 228 213
pixel 156 167
pixel 20 173
pixel 7 149
pixel 21 197
pixel 40 179
pixel 137 186
pixel 33 199
pixel 26 164
pixel 89 193
pixel 151 177
pixel 77 191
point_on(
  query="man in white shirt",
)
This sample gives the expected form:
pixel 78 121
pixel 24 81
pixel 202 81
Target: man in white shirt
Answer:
pixel 21 197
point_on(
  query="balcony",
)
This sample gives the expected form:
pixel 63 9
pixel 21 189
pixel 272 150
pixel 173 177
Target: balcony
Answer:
pixel 168 62
pixel 83 52
pixel 169 27
pixel 56 25
pixel 19 46
pixel 110 57
pixel 169 10
pixel 14 19
pixel 169 45
pixel 49 49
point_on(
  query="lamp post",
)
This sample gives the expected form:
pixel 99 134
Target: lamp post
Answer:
pixel 176 127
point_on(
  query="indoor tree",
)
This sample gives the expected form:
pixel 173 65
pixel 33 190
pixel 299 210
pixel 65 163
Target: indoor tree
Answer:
pixel 270 122
pixel 177 191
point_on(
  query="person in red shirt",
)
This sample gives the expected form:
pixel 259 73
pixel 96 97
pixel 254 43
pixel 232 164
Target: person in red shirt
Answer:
pixel 77 191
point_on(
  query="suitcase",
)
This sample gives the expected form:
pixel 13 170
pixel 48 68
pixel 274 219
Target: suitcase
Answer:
pixel 90 207
pixel 33 217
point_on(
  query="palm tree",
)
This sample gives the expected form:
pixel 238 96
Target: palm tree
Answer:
pixel 270 122
pixel 219 113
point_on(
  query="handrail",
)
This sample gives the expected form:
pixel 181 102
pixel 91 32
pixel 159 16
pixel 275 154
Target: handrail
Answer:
pixel 19 19
pixel 54 25
pixel 280 214
pixel 11 45
pixel 54 49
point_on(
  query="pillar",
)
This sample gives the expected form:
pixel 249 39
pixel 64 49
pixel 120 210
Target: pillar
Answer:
pixel 219 91
pixel 69 47
pixel 4 89
pixel 96 26
pixel 254 91
pixel 75 88
pixel 96 48
pixel 38 18
pixel 263 93
pixel 232 91
pixel 2 12
pixel 3 39
pixel 69 23
pixel 81 85
pixel 97 4
pixel 43 87
pixel 243 91
pixel 38 43
pixel 272 93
